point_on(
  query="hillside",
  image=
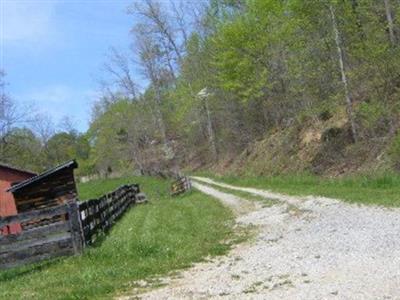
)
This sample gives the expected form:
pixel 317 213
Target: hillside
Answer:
pixel 281 120
pixel 259 87
pixel 319 146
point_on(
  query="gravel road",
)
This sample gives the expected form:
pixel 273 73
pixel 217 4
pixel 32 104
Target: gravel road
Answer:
pixel 304 248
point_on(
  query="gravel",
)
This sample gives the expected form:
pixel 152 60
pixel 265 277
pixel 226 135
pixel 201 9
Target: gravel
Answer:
pixel 305 248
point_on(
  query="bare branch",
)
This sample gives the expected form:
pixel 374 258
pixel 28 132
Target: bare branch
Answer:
pixel 119 68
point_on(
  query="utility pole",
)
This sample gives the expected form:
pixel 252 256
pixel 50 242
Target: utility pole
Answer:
pixel 204 95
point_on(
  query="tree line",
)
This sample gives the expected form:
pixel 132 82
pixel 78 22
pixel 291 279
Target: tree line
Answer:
pixel 31 141
pixel 222 74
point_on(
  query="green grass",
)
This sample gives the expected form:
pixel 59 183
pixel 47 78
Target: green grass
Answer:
pixel 98 188
pixel 150 239
pixel 374 190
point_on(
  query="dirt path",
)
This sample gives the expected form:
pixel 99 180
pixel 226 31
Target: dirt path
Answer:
pixel 238 205
pixel 270 195
pixel 305 248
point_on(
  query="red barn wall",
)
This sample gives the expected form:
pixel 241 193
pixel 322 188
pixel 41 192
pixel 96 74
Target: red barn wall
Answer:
pixel 7 202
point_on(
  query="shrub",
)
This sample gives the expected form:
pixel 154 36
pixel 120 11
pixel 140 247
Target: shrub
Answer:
pixel 373 119
pixel 394 152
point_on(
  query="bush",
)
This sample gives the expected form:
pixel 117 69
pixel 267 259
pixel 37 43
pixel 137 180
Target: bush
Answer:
pixel 373 118
pixel 394 152
pixel 325 115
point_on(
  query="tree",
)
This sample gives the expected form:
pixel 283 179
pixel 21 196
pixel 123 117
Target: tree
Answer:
pixel 157 22
pixel 118 66
pixel 390 23
pixel 10 117
pixel 151 61
pixel 24 150
pixel 271 66
pixel 116 142
pixel 349 101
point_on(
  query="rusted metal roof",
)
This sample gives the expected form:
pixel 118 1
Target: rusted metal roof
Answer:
pixel 7 166
pixel 70 164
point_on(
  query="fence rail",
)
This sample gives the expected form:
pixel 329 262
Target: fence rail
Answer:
pixel 54 240
pixel 76 224
pixel 98 215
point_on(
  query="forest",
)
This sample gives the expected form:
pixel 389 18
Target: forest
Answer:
pixel 246 86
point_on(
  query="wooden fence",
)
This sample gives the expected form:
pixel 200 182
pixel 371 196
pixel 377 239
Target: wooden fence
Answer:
pixel 98 215
pixel 77 224
pixel 181 185
pixel 53 240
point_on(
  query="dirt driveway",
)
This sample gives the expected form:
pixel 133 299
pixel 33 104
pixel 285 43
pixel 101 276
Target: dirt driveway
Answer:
pixel 304 248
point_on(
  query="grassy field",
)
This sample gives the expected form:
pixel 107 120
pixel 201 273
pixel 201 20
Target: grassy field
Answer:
pixel 380 190
pixel 97 188
pixel 151 239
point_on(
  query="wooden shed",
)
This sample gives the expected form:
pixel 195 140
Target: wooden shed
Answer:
pixel 8 176
pixel 49 189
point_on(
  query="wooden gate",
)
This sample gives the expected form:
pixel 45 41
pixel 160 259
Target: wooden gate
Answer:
pixel 63 237
pixel 182 185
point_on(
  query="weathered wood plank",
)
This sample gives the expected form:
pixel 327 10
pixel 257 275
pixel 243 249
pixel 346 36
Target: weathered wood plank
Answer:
pixel 31 243
pixel 38 248
pixel 36 233
pixel 37 214
pixel 75 227
pixel 57 188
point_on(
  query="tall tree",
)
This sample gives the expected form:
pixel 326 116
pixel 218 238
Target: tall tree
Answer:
pixel 154 70
pixel 10 116
pixel 158 24
pixel 119 67
pixel 349 100
pixel 390 24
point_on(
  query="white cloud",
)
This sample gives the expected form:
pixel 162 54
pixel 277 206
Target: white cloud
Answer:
pixel 27 21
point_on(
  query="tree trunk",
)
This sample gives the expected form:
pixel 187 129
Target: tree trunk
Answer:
pixel 389 19
pixel 210 131
pixel 349 101
pixel 134 153
pixel 160 119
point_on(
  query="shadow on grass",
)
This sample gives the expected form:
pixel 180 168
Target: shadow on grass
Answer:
pixel 10 274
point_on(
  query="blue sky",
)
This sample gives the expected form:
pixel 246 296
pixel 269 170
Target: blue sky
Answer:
pixel 53 51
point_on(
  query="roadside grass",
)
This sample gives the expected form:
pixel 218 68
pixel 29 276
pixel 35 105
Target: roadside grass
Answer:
pixel 152 239
pixel 371 190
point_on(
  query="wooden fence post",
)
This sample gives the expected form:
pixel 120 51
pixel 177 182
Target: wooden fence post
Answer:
pixel 75 227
